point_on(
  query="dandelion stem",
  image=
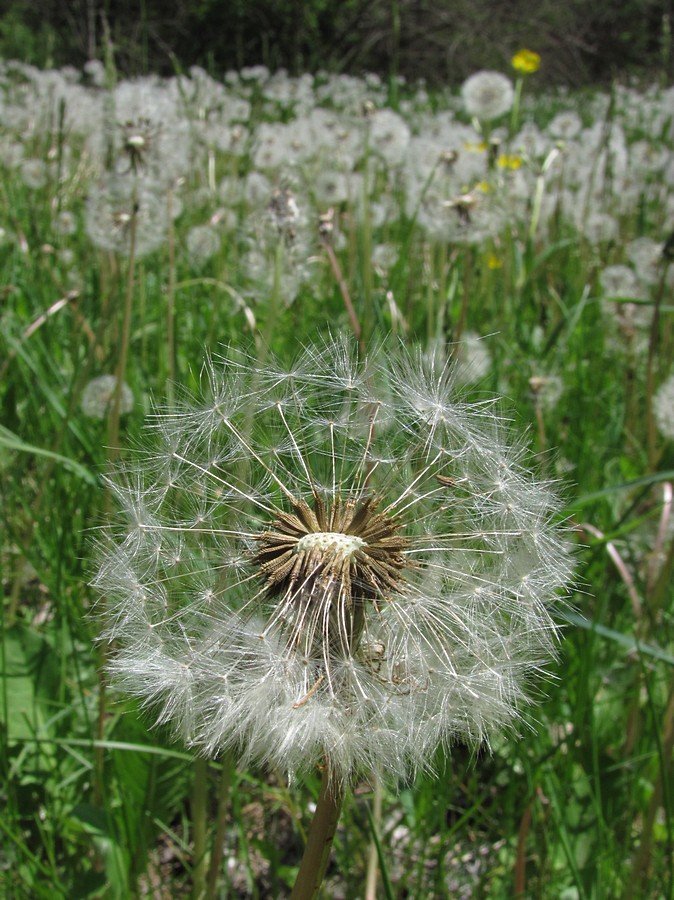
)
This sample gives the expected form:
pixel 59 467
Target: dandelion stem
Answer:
pixel 319 841
pixel 199 804
pixel 651 431
pixel 113 456
pixel 463 313
pixel 644 856
pixel 113 424
pixel 542 438
pixel 171 299
pixel 220 827
pixel 336 269
pixel 275 301
pixel 373 856
pixel 515 114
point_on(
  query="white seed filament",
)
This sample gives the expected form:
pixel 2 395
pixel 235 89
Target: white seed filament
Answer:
pixel 340 544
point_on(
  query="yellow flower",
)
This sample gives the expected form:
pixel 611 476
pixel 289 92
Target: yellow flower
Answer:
pixel 509 161
pixel 526 62
pixel 493 262
pixel 473 147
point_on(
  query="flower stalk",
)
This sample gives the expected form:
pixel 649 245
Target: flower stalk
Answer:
pixel 319 840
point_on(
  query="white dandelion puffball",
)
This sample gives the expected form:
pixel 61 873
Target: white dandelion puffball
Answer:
pixel 663 408
pixel 336 562
pixel 203 242
pixel 487 95
pixel 97 397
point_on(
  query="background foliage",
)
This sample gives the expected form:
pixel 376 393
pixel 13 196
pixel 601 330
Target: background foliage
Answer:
pixel 442 42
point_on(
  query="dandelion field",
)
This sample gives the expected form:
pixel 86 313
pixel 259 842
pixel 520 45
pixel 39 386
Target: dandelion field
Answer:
pixel 525 239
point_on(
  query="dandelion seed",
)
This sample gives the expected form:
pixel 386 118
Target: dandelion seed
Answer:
pixel 336 562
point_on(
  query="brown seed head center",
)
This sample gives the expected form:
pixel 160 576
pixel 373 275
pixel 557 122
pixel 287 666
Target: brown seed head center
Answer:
pixel 351 543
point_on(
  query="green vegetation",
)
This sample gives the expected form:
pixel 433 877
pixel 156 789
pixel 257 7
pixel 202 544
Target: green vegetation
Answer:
pixel 442 42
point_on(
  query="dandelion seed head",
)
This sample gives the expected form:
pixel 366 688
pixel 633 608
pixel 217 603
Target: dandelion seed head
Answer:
pixel 98 395
pixel 487 95
pixel 646 255
pixel 565 125
pixel 336 561
pixel 620 281
pixel 65 223
pixel 389 135
pixel 94 69
pixel 34 173
pixel 111 208
pixel 203 242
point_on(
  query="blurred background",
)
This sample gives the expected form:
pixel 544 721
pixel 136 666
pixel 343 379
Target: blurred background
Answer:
pixel 441 42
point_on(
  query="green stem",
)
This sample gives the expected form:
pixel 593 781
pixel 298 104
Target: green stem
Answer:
pixel 651 430
pixel 199 816
pixel 113 455
pixel 348 303
pixel 220 827
pixel 368 316
pixel 515 114
pixel 644 855
pixel 373 856
pixel 463 312
pixel 113 423
pixel 319 842
pixel 170 301
pixel 395 54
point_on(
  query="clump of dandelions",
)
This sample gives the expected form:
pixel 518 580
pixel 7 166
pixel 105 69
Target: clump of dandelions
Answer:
pixel 337 562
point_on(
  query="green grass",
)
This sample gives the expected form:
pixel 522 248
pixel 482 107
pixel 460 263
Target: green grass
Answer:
pixel 578 803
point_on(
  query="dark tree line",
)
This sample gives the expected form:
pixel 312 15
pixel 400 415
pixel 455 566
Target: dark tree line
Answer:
pixel 440 40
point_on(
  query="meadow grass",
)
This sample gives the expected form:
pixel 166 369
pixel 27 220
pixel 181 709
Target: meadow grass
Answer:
pixel 324 216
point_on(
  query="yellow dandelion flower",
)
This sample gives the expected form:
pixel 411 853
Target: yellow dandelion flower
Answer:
pixel 509 161
pixel 493 262
pixel 526 62
pixel 475 147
